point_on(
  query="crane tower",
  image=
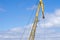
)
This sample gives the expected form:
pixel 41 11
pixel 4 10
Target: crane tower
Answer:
pixel 32 34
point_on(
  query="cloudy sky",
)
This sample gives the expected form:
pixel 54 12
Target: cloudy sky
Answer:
pixel 17 16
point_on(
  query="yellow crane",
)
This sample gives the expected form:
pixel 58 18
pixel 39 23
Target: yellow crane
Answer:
pixel 32 34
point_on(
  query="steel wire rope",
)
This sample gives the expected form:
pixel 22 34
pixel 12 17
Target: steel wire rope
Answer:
pixel 28 23
pixel 44 29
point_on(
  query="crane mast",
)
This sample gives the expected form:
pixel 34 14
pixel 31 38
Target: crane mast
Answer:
pixel 32 34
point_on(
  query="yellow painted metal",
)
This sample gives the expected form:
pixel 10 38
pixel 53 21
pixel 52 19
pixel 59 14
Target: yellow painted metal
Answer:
pixel 32 34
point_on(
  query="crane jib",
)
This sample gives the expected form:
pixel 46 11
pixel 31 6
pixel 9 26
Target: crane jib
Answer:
pixel 32 34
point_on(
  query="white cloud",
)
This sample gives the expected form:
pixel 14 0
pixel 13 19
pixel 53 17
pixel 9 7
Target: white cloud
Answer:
pixel 52 19
pixel 48 32
pixel 2 10
pixel 8 36
pixel 32 8
pixel 57 12
pixel 0 36
pixel 17 29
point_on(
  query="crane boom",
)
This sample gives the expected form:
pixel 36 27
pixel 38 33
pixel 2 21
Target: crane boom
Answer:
pixel 32 34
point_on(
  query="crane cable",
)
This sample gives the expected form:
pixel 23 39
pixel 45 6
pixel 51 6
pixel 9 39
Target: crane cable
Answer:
pixel 25 28
pixel 28 22
pixel 44 28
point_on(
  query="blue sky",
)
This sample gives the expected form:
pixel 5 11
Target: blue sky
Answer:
pixel 14 13
pixel 17 14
